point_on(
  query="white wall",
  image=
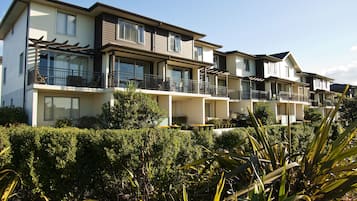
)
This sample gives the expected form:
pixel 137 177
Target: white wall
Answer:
pixel 278 69
pixel 14 45
pixel 236 66
pixel 0 83
pixel 207 54
pixel 321 84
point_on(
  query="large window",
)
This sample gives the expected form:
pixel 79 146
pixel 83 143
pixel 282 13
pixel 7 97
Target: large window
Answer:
pixel 21 63
pixel 126 70
pixel 198 53
pixel 57 66
pixel 130 31
pixel 174 42
pixel 61 108
pixel 66 24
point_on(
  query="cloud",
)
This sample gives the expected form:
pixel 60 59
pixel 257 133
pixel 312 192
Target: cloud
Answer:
pixel 353 48
pixel 346 74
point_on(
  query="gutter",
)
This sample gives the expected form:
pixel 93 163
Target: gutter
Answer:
pixel 26 52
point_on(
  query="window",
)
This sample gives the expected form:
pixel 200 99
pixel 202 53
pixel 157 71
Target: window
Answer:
pixel 21 63
pixel 126 70
pixel 247 66
pixel 174 42
pixel 60 108
pixel 198 53
pixel 216 61
pixel 66 24
pixel 130 31
pixel 287 71
pixel 4 76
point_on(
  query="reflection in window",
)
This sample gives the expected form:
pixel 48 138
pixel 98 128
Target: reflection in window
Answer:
pixel 61 108
pixel 130 70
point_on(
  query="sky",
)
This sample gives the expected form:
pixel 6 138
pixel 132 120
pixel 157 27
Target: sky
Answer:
pixel 321 34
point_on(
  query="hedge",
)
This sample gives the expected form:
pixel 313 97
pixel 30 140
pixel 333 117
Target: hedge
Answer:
pixel 77 164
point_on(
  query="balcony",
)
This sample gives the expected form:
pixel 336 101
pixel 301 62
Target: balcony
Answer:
pixel 65 77
pixel 151 82
pixel 246 95
pixel 324 103
pixel 285 95
pixel 219 91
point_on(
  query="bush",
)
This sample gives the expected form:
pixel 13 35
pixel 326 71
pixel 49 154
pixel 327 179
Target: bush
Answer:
pixel 62 123
pixel 12 115
pixel 264 112
pixel 313 115
pixel 220 123
pixel 131 110
pixel 78 164
pixel 88 122
pixel 179 120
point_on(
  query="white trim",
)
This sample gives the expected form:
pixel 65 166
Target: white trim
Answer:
pixel 139 27
pixel 172 34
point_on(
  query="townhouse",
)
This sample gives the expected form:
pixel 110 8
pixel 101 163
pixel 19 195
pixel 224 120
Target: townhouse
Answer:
pixel 64 61
pixel 273 79
pixel 321 97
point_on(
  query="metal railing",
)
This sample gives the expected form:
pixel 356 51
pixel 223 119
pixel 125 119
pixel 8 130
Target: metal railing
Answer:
pixel 65 77
pixel 152 82
pixel 219 91
pixel 285 95
pixel 260 95
pixel 234 94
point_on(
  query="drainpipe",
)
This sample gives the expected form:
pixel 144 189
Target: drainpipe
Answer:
pixel 26 54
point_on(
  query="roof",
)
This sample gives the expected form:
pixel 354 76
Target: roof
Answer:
pixel 316 75
pixel 205 43
pixel 18 6
pixel 267 57
pixel 240 53
pixel 281 55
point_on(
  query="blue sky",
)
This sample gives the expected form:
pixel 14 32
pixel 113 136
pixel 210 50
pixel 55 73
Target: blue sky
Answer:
pixel 322 34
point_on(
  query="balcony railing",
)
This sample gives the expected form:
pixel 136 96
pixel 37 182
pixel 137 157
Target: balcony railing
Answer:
pixel 152 82
pixel 284 95
pixel 260 95
pixel 65 77
pixel 324 103
pixel 219 91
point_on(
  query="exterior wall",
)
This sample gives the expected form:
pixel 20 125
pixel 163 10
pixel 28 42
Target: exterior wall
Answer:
pixel 321 84
pixel 165 103
pixel 222 109
pixel 109 34
pixel 43 23
pixel 236 66
pixel 192 108
pixel 14 45
pixel 280 70
pixel 1 82
pixel 207 54
pixel 161 45
pixel 89 104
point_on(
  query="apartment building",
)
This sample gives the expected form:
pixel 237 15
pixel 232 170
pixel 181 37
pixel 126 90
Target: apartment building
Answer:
pixel 65 61
pixel 339 88
pixel 1 79
pixel 321 96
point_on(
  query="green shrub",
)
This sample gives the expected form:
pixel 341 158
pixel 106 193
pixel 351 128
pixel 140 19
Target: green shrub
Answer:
pixel 88 122
pixel 12 115
pixel 78 164
pixel 131 110
pixel 264 112
pixel 313 115
pixel 62 123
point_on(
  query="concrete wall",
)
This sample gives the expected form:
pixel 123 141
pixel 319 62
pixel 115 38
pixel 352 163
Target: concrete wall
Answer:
pixel 165 103
pixel 193 109
pixel 207 54
pixel 43 23
pixel 14 45
pixel 222 109
pixel 236 66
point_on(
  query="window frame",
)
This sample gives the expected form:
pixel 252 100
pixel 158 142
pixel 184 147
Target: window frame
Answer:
pixel 52 108
pixel 4 76
pixel 175 37
pixel 66 24
pixel 247 65
pixel 198 57
pixel 140 31
pixel 21 63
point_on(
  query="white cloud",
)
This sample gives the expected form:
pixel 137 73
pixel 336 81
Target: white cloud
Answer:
pixel 346 74
pixel 353 48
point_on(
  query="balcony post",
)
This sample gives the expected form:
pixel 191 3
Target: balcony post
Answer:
pixel 227 85
pixel 204 83
pixel 36 64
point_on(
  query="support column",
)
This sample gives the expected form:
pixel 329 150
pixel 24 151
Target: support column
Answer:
pixel 34 107
pixel 165 103
pixel 216 84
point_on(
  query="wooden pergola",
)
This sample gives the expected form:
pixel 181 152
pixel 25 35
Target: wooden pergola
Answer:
pixel 39 44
